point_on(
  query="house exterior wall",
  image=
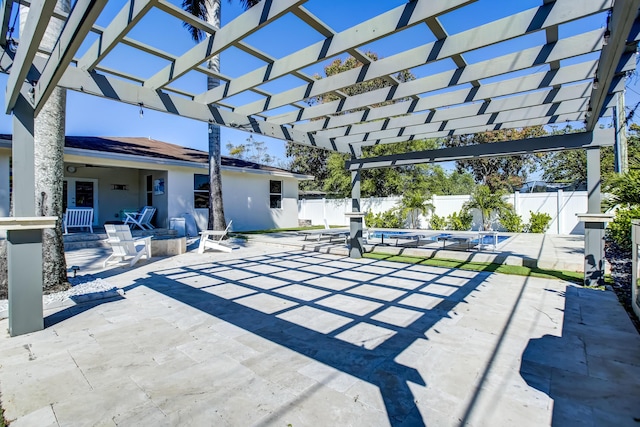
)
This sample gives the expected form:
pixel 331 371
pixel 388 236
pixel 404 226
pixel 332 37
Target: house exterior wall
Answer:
pixel 245 193
pixel 245 197
pixel 110 201
pixel 159 201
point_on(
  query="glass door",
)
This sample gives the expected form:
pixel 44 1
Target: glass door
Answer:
pixel 80 193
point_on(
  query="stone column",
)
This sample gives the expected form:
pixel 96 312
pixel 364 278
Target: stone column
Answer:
pixel 24 245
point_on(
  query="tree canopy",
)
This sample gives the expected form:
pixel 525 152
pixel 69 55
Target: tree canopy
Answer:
pixel 252 151
pixel 506 172
pixel 571 166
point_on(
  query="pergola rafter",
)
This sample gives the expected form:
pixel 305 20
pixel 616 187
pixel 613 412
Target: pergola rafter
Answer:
pixel 448 102
pixel 397 19
pixel 241 27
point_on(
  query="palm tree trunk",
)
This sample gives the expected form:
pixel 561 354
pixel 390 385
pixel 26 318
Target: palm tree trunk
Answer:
pixel 49 164
pixel 216 207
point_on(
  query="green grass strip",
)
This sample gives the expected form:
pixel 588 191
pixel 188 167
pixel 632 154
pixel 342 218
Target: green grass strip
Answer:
pixel 516 270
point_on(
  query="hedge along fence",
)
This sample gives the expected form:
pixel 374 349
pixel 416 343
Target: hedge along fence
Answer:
pixel 562 206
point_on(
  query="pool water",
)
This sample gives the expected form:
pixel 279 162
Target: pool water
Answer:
pixel 486 240
pixel 489 240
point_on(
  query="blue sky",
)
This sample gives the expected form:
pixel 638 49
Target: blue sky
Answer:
pixel 88 115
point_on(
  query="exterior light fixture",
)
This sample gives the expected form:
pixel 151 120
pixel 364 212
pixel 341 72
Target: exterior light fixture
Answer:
pixel 605 38
pixel 141 110
pixel 596 84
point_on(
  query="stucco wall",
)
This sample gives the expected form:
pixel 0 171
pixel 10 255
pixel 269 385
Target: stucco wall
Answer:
pixel 245 198
pixel 111 201
pixel 159 201
pixel 246 194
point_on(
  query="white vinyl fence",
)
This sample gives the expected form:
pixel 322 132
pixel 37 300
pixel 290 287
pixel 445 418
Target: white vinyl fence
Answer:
pixel 562 206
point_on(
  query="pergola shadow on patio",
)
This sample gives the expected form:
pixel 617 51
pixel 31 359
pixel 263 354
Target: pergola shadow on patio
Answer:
pixel 354 317
pixel 276 337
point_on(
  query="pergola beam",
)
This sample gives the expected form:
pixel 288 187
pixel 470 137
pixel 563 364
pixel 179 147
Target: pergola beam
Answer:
pixel 241 27
pixel 536 56
pixel 477 118
pixel 401 17
pixel 130 14
pixel 81 19
pixel 455 45
pixel 469 130
pixel 569 74
pixel 492 106
pixel 597 138
pixel 35 27
pixel 623 17
pixel 116 89
pixel 6 17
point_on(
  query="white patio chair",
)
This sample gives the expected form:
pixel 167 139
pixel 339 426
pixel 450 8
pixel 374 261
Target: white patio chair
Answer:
pixel 124 246
pixel 142 219
pixel 212 239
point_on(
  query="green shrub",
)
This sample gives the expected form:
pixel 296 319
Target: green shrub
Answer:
pixel 388 219
pixel 438 222
pixel 460 221
pixel 619 230
pixel 511 221
pixel 538 222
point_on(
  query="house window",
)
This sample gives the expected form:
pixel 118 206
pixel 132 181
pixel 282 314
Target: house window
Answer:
pixel 149 188
pixel 201 191
pixel 275 194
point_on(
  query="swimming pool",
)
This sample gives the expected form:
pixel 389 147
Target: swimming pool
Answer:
pixel 474 239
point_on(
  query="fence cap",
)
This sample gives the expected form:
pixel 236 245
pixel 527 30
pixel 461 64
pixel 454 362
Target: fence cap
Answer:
pixel 595 217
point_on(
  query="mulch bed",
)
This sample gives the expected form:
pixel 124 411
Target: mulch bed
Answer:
pixel 621 270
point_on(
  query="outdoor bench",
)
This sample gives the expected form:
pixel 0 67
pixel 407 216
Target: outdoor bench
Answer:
pixel 78 218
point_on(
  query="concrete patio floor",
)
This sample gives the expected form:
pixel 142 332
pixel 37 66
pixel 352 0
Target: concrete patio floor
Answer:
pixel 278 336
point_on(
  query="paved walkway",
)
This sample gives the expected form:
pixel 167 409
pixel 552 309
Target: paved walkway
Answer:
pixel 274 336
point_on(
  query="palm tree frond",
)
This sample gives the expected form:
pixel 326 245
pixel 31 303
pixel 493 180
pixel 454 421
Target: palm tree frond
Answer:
pixel 247 4
pixel 197 8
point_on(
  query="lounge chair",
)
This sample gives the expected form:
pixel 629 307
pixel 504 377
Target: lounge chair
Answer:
pixel 459 239
pixel 141 219
pixel 212 239
pixel 327 232
pixel 401 237
pixel 124 246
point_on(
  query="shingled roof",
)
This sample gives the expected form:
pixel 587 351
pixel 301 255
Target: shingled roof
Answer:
pixel 151 148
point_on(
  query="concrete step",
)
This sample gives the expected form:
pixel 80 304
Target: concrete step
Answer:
pixel 74 241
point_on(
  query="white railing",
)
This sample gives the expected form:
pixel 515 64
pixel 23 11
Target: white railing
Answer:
pixel 562 206
pixel 635 275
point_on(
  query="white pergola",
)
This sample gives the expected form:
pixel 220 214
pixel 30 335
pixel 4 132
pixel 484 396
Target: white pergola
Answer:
pixel 563 79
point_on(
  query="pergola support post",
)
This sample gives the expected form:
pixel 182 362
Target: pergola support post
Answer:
pixel 24 245
pixel 355 218
pixel 593 230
